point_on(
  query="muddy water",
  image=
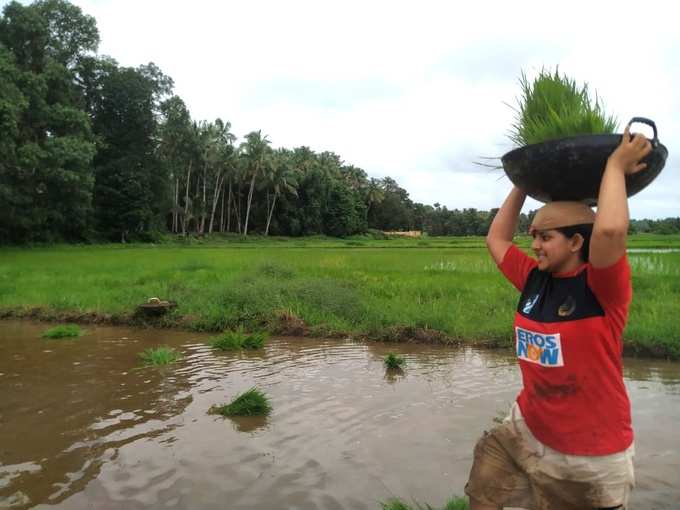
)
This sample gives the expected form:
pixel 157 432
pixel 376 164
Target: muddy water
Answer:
pixel 83 425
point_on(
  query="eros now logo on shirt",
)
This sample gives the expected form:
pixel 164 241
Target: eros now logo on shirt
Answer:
pixel 544 349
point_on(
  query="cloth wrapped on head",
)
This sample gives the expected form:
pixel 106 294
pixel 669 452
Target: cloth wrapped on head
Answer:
pixel 561 214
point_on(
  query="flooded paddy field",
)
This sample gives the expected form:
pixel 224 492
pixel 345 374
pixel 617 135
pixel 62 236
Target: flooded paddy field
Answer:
pixel 83 424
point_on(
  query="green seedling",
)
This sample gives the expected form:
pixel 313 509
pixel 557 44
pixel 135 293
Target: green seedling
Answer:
pixel 554 106
pixel 455 503
pixel 394 361
pixel 238 339
pixel 250 403
pixel 63 331
pixel 162 355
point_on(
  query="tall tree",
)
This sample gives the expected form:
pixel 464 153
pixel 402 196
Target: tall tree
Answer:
pixel 281 179
pixel 131 189
pixel 256 152
pixel 344 214
pixel 47 175
pixel 222 163
pixel 374 195
pixel 14 222
pixel 176 149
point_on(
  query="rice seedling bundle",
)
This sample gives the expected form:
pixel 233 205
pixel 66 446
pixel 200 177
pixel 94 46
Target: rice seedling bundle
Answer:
pixel 553 106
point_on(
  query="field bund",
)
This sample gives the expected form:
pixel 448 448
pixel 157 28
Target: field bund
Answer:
pixel 444 290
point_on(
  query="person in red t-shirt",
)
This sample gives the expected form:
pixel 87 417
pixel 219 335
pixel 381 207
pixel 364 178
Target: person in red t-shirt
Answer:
pixel 568 442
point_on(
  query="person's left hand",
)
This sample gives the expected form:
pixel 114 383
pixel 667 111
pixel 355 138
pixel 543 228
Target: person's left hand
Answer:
pixel 630 151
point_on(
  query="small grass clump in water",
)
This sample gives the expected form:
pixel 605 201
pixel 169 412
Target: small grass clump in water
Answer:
pixel 553 106
pixel 394 361
pixel 250 403
pixel 63 331
pixel 227 341
pixel 162 355
pixel 238 339
pixel 454 503
pixel 254 341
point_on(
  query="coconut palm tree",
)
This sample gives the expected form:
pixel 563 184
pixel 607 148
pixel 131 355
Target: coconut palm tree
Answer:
pixel 221 162
pixel 283 178
pixel 374 195
pixel 256 151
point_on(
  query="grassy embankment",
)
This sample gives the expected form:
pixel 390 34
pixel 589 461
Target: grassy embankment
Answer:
pixel 442 289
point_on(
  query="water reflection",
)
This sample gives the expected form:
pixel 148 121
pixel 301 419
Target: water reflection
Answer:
pixel 393 375
pixel 66 404
pixel 84 426
pixel 249 423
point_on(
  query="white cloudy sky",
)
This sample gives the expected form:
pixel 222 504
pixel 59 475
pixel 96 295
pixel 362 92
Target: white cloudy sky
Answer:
pixel 413 90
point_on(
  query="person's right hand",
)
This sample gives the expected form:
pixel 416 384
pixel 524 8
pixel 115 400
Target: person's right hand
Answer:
pixel 630 151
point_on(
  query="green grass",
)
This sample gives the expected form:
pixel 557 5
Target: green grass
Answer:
pixel 238 339
pixel 227 341
pixel 394 361
pixel 162 355
pixel 554 106
pixel 255 341
pixel 249 403
pixel 386 289
pixel 454 503
pixel 63 331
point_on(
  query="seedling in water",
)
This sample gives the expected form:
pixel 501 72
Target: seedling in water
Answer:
pixel 394 361
pixel 255 341
pixel 250 403
pixel 162 355
pixel 238 339
pixel 63 331
pixel 454 503
pixel 227 341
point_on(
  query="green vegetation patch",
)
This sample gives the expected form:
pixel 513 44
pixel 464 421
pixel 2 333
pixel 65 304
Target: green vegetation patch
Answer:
pixel 227 341
pixel 393 290
pixel 554 106
pixel 162 355
pixel 255 341
pixel 239 339
pixel 63 331
pixel 250 403
pixel 455 503
pixel 394 361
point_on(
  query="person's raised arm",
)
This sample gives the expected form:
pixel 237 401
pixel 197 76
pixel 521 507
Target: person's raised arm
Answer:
pixel 608 242
pixel 503 227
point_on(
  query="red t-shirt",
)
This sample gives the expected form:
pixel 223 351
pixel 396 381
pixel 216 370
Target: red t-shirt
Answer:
pixel 568 338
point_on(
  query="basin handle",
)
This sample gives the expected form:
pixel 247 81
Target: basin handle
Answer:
pixel 649 122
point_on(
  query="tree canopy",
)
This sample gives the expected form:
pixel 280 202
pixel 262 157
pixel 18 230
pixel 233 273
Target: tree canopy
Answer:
pixel 91 150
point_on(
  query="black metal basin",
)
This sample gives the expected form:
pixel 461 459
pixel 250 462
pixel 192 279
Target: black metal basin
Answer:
pixel 571 168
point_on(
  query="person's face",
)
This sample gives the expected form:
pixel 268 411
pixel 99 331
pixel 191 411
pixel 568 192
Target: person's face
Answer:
pixel 554 251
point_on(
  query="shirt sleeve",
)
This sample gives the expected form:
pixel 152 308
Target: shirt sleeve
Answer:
pixel 516 266
pixel 613 289
pixel 612 285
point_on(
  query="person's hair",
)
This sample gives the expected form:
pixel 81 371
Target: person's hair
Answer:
pixel 586 231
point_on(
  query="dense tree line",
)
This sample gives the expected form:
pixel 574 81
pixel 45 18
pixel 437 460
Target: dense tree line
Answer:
pixel 91 150
pixel 664 226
